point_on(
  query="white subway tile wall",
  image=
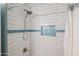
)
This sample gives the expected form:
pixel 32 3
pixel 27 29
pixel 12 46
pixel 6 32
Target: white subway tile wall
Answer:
pixel 48 14
pixel 16 44
pixel 16 17
pixel 42 14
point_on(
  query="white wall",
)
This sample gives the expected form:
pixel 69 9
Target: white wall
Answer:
pixel 48 45
pixel 76 30
pixel 42 14
pixel 16 17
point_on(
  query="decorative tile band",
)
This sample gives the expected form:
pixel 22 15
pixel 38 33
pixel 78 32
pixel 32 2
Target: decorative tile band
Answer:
pixel 49 30
pixel 18 31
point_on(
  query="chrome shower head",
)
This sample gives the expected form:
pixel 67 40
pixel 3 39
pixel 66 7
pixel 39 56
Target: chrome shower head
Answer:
pixel 28 12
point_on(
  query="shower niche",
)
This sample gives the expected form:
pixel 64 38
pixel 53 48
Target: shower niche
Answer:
pixel 48 30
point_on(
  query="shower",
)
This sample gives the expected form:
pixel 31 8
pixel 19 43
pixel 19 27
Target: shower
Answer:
pixel 34 29
pixel 27 12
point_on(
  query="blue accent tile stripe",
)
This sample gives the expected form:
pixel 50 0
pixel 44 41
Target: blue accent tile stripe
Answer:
pixel 60 30
pixel 18 31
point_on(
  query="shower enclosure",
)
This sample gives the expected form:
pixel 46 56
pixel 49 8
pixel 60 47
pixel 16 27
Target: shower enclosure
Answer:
pixel 35 29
